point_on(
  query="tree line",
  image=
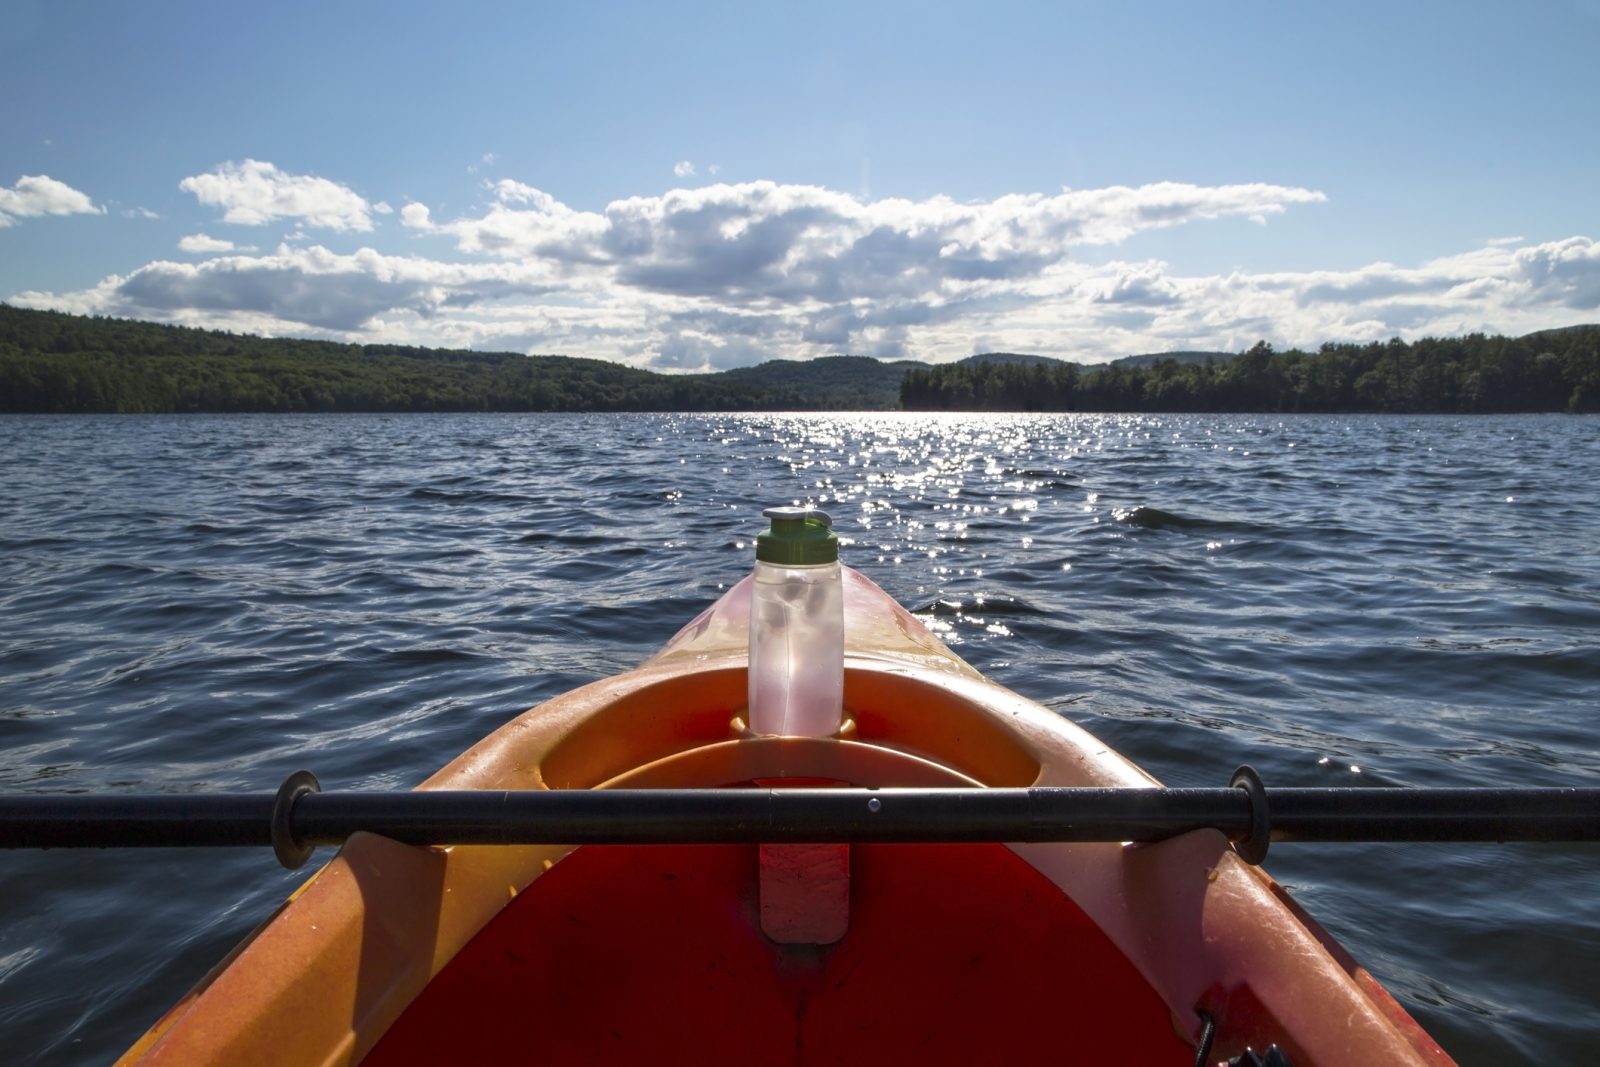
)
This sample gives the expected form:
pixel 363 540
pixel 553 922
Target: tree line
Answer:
pixel 55 362
pixel 1553 370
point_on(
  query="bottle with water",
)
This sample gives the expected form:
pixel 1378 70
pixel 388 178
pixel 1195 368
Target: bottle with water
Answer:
pixel 797 627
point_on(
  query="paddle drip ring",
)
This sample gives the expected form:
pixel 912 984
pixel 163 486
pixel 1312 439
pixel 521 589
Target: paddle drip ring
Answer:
pixel 1252 848
pixel 290 852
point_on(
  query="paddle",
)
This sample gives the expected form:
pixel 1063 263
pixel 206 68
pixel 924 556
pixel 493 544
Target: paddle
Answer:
pixel 299 817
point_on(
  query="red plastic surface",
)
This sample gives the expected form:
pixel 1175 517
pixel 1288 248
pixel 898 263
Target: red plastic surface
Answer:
pixel 956 954
pixel 805 893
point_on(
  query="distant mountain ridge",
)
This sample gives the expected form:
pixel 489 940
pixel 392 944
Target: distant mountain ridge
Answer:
pixel 1006 359
pixel 829 383
pixel 1151 359
pixel 1144 360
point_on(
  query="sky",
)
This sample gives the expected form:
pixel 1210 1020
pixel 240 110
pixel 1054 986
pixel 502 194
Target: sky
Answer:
pixel 707 186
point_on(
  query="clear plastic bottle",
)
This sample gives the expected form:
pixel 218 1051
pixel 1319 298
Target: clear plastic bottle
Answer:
pixel 797 627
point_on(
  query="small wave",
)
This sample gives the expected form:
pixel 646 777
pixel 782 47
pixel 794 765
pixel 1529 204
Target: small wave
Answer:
pixel 976 605
pixel 41 541
pixel 578 570
pixel 1148 518
pixel 1050 479
pixel 576 540
pixel 427 657
pixel 12 962
pixel 470 496
pixel 1155 519
pixel 117 571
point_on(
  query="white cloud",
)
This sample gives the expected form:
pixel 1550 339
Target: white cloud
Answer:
pixel 200 244
pixel 525 222
pixel 1564 272
pixel 1140 285
pixel 1495 290
pixel 39 194
pixel 827 271
pixel 305 286
pixel 253 193
pixel 762 240
pixel 684 169
pixel 414 216
pixel 139 213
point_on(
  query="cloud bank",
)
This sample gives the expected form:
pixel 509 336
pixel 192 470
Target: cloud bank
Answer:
pixel 730 274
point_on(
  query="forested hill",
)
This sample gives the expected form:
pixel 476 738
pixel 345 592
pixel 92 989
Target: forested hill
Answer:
pixel 54 362
pixel 1553 370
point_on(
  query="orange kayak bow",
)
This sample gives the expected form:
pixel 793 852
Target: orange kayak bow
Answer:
pixel 873 953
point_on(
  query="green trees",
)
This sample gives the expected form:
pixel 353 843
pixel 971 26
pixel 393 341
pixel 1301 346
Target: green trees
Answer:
pixel 51 362
pixel 1555 370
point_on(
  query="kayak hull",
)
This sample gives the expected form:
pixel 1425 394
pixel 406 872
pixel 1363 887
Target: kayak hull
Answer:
pixel 943 953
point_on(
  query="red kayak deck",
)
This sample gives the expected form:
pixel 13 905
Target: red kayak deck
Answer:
pixel 956 954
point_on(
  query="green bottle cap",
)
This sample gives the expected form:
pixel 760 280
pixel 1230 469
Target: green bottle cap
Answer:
pixel 800 537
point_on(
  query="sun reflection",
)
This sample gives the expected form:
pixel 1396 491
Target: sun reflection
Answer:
pixel 938 496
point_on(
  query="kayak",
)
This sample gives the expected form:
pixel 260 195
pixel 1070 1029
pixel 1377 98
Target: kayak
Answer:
pixel 1176 952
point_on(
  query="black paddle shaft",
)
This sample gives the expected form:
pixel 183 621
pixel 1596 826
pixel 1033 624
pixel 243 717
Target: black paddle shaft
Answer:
pixel 305 818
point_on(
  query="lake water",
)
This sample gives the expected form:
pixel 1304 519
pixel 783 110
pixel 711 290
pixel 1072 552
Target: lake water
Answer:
pixel 209 603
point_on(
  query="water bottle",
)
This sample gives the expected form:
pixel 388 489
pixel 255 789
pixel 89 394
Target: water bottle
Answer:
pixel 797 627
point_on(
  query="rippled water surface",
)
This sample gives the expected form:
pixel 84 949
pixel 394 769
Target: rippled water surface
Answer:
pixel 199 603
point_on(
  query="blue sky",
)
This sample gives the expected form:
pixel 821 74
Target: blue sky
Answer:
pixel 708 186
